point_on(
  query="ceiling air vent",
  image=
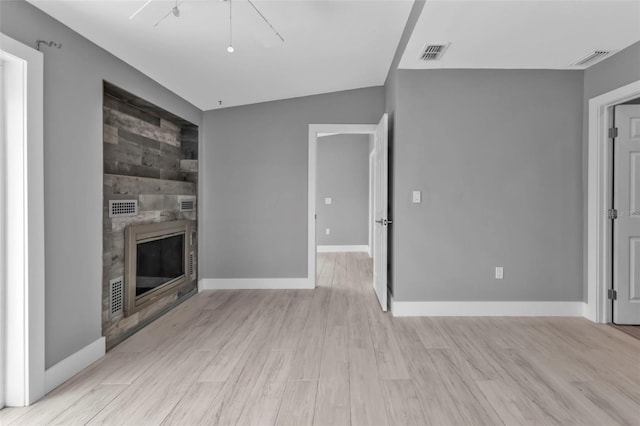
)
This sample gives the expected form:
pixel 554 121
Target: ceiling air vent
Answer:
pixel 592 58
pixel 433 51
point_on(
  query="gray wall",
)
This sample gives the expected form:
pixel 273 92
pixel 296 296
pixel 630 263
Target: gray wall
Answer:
pixel 619 70
pixel 254 174
pixel 391 91
pixel 343 175
pixel 497 154
pixel 73 169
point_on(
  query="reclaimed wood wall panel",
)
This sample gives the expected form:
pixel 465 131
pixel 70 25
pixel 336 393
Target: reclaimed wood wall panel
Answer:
pixel 150 156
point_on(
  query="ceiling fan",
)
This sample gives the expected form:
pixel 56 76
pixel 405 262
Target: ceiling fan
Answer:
pixel 175 11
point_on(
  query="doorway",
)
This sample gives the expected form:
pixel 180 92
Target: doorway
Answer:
pixel 342 193
pixel 599 201
pixel 379 134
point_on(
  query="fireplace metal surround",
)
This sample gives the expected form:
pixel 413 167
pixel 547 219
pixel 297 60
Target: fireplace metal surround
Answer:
pixel 141 234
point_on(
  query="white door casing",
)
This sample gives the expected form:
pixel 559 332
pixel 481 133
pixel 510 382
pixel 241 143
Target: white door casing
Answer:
pixel 2 235
pixel 380 200
pixel 626 228
pixel 23 213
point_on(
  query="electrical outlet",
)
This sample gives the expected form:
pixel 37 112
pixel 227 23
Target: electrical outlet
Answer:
pixel 499 272
pixel 327 231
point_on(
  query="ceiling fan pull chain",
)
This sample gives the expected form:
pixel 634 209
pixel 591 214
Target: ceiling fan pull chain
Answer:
pixel 230 48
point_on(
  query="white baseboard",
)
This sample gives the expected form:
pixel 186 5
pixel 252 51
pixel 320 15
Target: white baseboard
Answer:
pixel 487 309
pixel 73 364
pixel 350 249
pixel 255 284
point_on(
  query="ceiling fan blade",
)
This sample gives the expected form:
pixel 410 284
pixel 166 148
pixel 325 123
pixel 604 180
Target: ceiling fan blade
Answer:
pixel 264 18
pixel 170 12
pixel 163 18
pixel 133 15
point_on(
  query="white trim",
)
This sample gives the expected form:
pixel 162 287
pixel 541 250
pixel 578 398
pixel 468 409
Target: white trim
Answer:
pixel 599 199
pixel 73 364
pixel 346 249
pixel 255 284
pixel 487 309
pixel 25 210
pixel 3 248
pixel 314 131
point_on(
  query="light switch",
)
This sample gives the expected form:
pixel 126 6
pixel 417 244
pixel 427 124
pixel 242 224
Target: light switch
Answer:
pixel 416 197
pixel 328 200
pixel 499 272
pixel 327 231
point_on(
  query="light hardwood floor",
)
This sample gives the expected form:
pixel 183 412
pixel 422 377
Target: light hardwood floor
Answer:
pixel 330 356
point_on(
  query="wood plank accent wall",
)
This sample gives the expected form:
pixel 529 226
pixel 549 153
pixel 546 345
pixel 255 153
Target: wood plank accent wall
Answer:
pixel 150 156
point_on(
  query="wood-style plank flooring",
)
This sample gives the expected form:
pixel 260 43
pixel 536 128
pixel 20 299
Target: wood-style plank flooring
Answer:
pixel 331 357
pixel 632 330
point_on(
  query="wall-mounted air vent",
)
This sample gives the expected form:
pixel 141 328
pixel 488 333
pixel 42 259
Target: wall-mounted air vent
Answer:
pixel 433 51
pixel 116 296
pixel 187 204
pixel 592 58
pixel 192 266
pixel 121 208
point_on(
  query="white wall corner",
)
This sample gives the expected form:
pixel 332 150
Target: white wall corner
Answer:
pixel 488 309
pixel 73 364
pixel 343 248
pixel 255 284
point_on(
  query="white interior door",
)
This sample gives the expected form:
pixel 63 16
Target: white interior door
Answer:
pixel 371 211
pixel 380 173
pixel 626 228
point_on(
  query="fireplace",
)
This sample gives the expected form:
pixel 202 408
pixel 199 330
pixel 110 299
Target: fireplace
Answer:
pixel 157 261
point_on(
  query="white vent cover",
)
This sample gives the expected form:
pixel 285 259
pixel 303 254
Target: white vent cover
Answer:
pixel 116 296
pixel 592 58
pixel 187 204
pixel 433 51
pixel 121 208
pixel 192 269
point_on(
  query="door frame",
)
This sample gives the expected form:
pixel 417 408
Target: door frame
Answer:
pixel 24 323
pixel 314 131
pixel 599 200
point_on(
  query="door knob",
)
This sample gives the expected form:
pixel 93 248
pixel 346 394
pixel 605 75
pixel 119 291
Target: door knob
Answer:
pixel 384 222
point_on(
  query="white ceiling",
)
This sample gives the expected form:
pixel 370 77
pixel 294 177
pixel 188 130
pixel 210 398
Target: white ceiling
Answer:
pixel 521 34
pixel 336 45
pixel 329 45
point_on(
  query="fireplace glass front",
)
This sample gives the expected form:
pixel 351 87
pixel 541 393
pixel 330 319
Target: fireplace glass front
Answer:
pixel 158 262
